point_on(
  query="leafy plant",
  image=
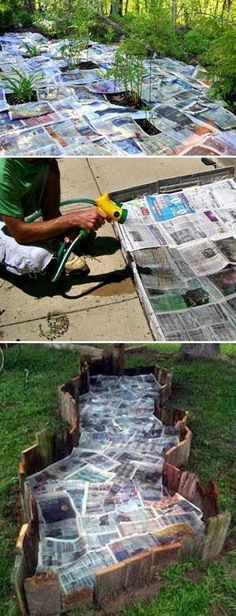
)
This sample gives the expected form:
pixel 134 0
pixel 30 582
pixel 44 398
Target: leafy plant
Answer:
pixel 32 49
pixel 109 35
pixel 22 85
pixel 6 16
pixel 71 51
pixel 221 61
pixel 129 69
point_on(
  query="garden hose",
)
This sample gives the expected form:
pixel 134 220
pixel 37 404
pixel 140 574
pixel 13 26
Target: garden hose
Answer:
pixel 65 249
pixel 113 211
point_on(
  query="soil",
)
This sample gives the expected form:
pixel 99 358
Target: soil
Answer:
pixel 87 65
pixel 82 66
pixel 148 127
pixel 125 99
pixel 12 100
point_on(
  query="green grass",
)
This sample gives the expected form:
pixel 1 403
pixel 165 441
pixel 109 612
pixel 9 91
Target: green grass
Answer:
pixel 206 389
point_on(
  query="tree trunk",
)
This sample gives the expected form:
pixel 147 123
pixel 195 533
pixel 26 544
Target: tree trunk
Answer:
pixel 116 7
pixel 200 351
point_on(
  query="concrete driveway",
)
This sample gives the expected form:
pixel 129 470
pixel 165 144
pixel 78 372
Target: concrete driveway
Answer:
pixel 104 306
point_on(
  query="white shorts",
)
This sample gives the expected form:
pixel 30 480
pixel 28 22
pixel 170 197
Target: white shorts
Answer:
pixel 21 259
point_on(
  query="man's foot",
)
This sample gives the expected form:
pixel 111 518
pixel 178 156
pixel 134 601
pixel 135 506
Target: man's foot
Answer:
pixel 76 264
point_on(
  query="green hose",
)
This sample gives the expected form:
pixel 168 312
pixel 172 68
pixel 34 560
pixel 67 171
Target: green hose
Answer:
pixel 65 249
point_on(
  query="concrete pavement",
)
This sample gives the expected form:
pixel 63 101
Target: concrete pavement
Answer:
pixel 104 306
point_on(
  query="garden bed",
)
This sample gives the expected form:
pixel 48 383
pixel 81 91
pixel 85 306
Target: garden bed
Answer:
pixel 94 126
pixel 115 585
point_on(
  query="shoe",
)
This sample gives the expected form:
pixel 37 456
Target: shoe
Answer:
pixel 76 264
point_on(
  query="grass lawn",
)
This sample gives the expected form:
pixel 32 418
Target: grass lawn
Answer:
pixel 29 384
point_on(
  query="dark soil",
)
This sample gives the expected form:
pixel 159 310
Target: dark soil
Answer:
pixel 126 99
pixel 82 66
pixel 12 100
pixel 148 127
pixel 87 65
pixel 28 56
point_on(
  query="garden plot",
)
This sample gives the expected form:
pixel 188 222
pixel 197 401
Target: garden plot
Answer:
pixel 183 251
pixel 106 502
pixel 84 111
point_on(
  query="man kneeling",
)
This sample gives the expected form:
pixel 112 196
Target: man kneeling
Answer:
pixel 28 185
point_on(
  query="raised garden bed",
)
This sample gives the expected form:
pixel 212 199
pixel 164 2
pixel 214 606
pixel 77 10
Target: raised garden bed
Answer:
pixel 115 586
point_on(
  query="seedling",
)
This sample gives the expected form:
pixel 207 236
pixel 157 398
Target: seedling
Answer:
pixel 71 52
pixel 23 85
pixel 32 49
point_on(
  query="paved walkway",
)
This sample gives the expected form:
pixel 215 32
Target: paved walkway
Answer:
pixel 105 307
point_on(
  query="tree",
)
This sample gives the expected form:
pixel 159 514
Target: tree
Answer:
pixel 117 7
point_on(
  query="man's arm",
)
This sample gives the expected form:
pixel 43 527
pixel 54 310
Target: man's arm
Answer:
pixel 27 233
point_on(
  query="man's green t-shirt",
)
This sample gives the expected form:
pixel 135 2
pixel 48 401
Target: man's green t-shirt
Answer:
pixel 21 186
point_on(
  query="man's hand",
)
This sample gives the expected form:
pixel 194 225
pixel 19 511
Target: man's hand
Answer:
pixel 25 232
pixel 90 219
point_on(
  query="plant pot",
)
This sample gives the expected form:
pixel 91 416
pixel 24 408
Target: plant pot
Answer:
pixel 12 100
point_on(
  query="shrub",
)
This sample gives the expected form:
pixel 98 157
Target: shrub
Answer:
pixel 221 61
pixel 6 17
pixel 24 18
pixel 128 68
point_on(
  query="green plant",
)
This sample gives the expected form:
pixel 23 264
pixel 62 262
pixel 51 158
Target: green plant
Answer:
pixel 109 35
pixel 71 51
pixel 32 49
pixel 24 18
pixel 6 17
pixel 129 69
pixel 22 85
pixel 221 61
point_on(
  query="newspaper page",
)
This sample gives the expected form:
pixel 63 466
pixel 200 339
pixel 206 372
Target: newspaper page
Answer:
pixel 201 323
pixel 205 257
pixel 192 228
pixel 141 236
pixel 165 207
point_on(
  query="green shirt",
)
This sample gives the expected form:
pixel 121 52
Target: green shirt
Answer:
pixel 21 186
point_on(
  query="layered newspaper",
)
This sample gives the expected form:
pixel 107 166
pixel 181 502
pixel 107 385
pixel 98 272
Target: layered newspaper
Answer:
pixel 183 247
pixel 73 114
pixel 106 501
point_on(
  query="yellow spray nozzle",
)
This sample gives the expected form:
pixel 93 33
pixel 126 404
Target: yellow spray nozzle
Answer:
pixel 113 210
